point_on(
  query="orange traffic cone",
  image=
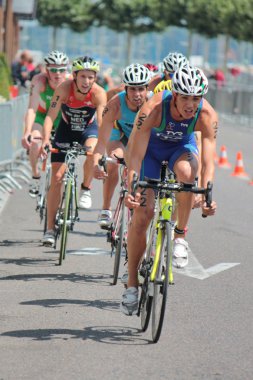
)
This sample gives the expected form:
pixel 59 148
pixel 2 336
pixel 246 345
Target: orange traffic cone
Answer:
pixel 239 170
pixel 223 160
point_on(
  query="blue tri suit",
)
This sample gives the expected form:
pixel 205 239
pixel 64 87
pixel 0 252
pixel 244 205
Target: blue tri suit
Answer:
pixel 169 141
pixel 123 127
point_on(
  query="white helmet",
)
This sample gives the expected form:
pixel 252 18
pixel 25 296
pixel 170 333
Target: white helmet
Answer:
pixel 56 58
pixel 174 61
pixel 190 80
pixel 136 75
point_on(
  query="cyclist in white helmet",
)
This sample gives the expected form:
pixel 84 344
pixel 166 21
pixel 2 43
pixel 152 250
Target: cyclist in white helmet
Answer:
pixel 171 63
pixel 81 102
pixel 164 131
pixel 41 93
pixel 118 120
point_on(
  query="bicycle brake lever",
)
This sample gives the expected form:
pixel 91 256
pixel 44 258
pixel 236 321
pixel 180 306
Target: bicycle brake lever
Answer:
pixel 208 196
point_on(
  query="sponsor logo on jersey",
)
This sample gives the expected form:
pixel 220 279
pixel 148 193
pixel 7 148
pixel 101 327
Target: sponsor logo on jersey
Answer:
pixel 170 135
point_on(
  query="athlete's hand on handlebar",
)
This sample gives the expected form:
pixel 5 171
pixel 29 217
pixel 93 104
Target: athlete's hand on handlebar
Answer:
pixel 132 201
pixel 209 210
pixel 99 173
pixel 45 148
pixel 26 141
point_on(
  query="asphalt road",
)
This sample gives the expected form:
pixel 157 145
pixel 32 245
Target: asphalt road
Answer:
pixel 64 323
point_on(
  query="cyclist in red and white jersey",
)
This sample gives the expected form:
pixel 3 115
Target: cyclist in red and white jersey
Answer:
pixel 81 101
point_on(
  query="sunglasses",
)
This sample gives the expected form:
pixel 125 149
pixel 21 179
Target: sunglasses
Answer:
pixel 57 69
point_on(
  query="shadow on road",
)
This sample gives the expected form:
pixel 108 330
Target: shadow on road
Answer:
pixel 94 278
pixel 23 243
pixel 111 305
pixel 26 261
pixel 104 334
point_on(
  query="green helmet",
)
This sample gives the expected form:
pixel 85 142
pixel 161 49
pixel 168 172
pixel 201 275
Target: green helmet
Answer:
pixel 85 63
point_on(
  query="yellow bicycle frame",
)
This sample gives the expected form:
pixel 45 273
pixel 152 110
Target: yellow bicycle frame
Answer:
pixel 166 205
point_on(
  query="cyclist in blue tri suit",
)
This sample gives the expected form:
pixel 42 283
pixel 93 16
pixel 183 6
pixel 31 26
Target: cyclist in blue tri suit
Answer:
pixel 164 130
pixel 117 125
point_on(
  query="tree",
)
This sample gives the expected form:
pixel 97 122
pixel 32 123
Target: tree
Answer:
pixel 131 16
pixel 76 14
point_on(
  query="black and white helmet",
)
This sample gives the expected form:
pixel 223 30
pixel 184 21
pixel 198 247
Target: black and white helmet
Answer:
pixel 174 61
pixel 136 75
pixel 56 57
pixel 190 80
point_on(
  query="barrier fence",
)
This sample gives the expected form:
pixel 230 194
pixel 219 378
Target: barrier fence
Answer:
pixel 233 101
pixel 12 126
pixel 13 165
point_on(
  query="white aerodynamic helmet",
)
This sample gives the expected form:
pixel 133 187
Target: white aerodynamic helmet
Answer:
pixel 136 75
pixel 56 57
pixel 174 61
pixel 190 80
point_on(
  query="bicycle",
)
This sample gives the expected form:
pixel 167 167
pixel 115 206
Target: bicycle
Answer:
pixel 156 267
pixel 44 184
pixel 117 231
pixel 67 213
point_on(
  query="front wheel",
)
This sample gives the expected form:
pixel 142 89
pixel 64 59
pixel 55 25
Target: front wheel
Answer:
pixel 161 282
pixel 145 305
pixel 120 232
pixel 65 227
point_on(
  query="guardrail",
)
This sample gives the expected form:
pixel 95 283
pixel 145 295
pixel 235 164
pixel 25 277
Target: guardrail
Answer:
pixel 234 101
pixel 13 162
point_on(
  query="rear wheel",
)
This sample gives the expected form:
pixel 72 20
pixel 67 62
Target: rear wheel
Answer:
pixel 161 284
pixel 65 227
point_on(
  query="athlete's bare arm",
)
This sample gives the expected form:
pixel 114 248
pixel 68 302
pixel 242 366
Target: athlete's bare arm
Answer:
pixel 148 117
pixel 99 100
pixel 207 124
pixel 60 96
pixel 110 114
pixel 114 91
pixel 154 82
pixel 37 86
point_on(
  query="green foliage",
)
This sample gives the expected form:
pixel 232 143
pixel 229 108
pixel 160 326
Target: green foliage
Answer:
pixel 209 18
pixel 133 16
pixel 77 14
pixel 5 77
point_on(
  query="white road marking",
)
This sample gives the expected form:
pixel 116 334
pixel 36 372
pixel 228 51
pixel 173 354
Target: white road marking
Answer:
pixel 90 251
pixel 196 270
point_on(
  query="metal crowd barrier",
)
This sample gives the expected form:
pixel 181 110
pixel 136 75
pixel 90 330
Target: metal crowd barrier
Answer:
pixel 13 160
pixel 233 101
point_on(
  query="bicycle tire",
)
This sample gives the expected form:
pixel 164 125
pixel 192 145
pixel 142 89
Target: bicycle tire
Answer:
pixel 145 305
pixel 119 243
pixel 64 227
pixel 146 299
pixel 45 216
pixel 161 285
pixel 43 208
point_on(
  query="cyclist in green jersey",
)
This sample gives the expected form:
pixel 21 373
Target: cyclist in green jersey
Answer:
pixel 41 93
